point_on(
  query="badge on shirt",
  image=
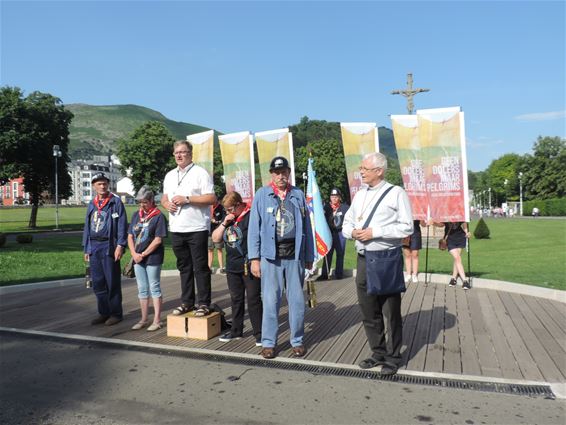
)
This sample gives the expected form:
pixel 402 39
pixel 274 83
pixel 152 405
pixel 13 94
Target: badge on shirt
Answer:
pixel 269 210
pixel 115 215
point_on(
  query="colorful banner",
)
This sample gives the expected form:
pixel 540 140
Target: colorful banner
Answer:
pixel 320 230
pixel 237 152
pixel 358 139
pixel 203 146
pixel 443 144
pixel 406 133
pixel 271 144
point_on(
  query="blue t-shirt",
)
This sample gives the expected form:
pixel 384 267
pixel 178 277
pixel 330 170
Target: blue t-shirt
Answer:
pixel 156 226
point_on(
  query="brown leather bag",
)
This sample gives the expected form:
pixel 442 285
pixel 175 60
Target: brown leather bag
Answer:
pixel 442 245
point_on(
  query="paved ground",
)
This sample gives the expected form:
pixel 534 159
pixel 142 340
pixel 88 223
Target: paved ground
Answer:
pixel 46 382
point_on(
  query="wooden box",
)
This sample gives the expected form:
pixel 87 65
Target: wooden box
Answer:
pixel 188 326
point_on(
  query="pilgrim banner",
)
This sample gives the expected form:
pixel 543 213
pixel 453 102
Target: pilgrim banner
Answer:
pixel 443 145
pixel 237 150
pixel 271 144
pixel 406 133
pixel 203 146
pixel 358 139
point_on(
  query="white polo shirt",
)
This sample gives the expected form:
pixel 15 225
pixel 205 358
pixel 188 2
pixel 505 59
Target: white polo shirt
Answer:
pixel 190 181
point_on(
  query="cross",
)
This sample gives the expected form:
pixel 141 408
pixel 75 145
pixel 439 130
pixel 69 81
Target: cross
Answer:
pixel 409 92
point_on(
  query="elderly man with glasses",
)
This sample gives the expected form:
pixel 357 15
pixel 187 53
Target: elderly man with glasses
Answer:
pixel 378 220
pixel 188 192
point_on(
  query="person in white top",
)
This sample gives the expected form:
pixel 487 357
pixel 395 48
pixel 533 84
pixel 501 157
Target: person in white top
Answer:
pixel 382 238
pixel 188 192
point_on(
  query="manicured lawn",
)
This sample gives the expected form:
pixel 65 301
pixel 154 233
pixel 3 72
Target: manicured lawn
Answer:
pixel 530 251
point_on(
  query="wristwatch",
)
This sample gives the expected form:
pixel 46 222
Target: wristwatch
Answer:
pixel 188 199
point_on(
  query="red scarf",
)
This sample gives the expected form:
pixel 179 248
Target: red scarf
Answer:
pixel 279 193
pixel 335 207
pixel 241 216
pixel 101 204
pixel 150 214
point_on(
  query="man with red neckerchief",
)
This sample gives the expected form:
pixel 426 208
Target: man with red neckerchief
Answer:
pixel 335 211
pixel 104 242
pixel 280 247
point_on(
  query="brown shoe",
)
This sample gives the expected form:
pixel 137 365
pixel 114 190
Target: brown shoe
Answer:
pixel 99 320
pixel 299 351
pixel 268 353
pixel 112 320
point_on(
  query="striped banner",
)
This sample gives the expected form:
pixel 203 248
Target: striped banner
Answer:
pixel 237 152
pixel 271 144
pixel 321 232
pixel 203 148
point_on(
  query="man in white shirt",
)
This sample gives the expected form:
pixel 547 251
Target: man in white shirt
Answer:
pixel 381 238
pixel 188 192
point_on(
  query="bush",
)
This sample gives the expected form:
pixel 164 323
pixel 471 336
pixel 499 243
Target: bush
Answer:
pixel 481 231
pixel 2 240
pixel 24 238
pixel 548 207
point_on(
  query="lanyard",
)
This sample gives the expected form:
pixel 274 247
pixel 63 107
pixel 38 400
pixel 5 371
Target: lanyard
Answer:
pixel 100 205
pixel 184 175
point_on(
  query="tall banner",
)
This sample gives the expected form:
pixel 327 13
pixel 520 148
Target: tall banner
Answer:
pixel 203 146
pixel 271 144
pixel 358 139
pixel 406 133
pixel 443 145
pixel 320 230
pixel 237 150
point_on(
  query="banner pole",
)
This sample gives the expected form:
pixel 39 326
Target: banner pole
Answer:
pixel 468 245
pixel 426 256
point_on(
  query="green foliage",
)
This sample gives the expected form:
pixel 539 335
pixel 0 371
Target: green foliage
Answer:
pixel 24 238
pixel 544 175
pixel 481 231
pixel 95 129
pixel 2 240
pixel 147 153
pixel 29 128
pixel 547 207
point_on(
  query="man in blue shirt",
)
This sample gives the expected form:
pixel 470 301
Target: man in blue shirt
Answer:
pixel 104 241
pixel 280 246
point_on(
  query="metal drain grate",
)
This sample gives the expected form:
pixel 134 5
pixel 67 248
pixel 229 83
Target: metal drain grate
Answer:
pixel 514 389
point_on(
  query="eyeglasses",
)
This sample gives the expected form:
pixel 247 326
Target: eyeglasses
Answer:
pixel 181 153
pixel 365 170
pixel 232 208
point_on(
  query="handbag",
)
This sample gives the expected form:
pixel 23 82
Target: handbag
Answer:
pixel 128 270
pixel 443 243
pixel 406 242
pixel 384 269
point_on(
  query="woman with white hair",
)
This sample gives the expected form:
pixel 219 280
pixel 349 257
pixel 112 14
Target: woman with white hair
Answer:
pixel 145 240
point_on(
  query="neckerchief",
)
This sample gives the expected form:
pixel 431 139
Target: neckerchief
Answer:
pixel 241 216
pixel 279 193
pixel 150 214
pixel 100 206
pixel 335 207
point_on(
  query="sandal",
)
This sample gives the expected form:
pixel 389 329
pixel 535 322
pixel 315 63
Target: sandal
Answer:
pixel 139 325
pixel 155 327
pixel 182 309
pixel 201 311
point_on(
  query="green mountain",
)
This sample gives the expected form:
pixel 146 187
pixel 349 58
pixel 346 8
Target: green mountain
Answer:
pixel 95 129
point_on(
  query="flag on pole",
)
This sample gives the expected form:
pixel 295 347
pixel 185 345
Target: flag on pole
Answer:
pixel 320 229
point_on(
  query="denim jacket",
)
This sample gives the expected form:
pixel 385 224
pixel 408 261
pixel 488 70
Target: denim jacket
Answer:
pixel 118 232
pixel 262 225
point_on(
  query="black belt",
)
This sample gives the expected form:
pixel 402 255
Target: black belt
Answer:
pixel 99 239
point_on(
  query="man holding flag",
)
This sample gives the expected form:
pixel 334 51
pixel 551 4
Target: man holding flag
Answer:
pixel 280 246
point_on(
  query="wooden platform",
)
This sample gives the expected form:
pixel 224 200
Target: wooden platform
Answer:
pixel 480 332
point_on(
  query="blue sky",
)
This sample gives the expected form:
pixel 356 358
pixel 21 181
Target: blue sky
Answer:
pixel 256 66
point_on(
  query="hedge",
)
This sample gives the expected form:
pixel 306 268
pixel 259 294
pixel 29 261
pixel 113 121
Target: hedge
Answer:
pixel 549 207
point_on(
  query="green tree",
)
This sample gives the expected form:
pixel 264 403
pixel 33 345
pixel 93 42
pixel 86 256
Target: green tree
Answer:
pixel 146 155
pixel 544 175
pixel 29 128
pixel 504 169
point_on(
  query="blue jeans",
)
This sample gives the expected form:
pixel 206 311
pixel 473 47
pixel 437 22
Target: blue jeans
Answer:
pixel 148 279
pixel 275 276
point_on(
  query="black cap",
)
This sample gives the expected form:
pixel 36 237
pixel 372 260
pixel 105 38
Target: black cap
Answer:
pixel 335 191
pixel 278 162
pixel 99 176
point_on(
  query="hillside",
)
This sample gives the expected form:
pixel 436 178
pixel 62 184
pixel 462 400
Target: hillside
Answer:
pixel 95 129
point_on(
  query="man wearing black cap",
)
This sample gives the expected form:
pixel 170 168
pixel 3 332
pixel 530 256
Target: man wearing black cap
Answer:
pixel 280 246
pixel 104 240
pixel 335 211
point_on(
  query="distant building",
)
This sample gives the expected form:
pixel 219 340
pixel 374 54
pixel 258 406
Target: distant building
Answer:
pixel 81 172
pixel 13 193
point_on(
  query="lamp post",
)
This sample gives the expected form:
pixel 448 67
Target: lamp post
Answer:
pixel 489 191
pixel 57 154
pixel 521 193
pixel 505 184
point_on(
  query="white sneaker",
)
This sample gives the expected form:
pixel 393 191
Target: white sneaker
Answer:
pixel 414 279
pixel 408 279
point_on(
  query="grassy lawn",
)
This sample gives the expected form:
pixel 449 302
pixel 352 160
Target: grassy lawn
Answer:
pixel 530 251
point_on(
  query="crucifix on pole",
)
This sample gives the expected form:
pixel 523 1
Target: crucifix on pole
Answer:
pixel 409 93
